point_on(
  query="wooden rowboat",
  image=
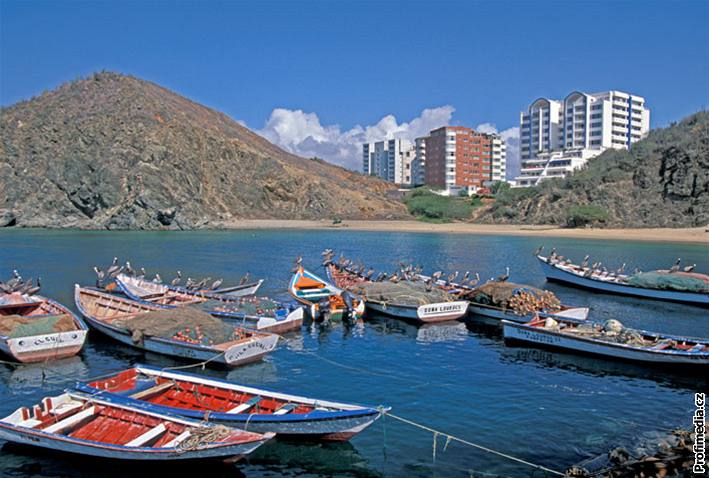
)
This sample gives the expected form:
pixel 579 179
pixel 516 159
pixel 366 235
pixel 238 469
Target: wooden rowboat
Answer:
pixel 587 338
pixel 576 275
pixel 36 329
pixel 324 299
pixel 427 313
pixel 203 398
pixel 74 423
pixel 105 311
pixel 274 318
pixel 175 295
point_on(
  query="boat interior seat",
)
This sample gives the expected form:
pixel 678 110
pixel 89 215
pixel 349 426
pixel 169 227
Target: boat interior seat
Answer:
pixel 287 408
pixel 245 406
pixel 177 440
pixel 149 436
pixel 71 421
pixel 65 407
pixel 29 423
pixel 147 391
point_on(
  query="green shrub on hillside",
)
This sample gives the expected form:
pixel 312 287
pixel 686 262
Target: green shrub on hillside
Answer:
pixel 584 214
pixel 428 206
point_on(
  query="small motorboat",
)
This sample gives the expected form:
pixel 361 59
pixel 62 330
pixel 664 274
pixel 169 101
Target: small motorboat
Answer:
pixel 609 340
pixel 83 425
pixel 324 299
pixel 679 286
pixel 35 329
pixel 209 399
pixel 181 332
pixel 260 313
pixel 406 300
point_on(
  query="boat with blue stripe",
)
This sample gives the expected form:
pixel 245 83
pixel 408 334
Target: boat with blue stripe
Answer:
pixel 210 399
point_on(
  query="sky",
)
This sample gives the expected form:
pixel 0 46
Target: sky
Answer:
pixel 320 77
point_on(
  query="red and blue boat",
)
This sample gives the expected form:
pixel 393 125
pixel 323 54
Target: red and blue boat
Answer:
pixel 75 423
pixel 210 399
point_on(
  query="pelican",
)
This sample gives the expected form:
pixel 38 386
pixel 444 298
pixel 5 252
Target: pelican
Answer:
pixel 177 279
pixel 244 279
pixel 504 277
pixel 689 268
pixel 129 270
pixel 584 264
pixel 113 267
pixel 216 284
pixel 539 250
pixel 157 279
pixel 675 267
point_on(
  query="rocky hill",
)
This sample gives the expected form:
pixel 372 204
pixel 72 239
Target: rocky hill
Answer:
pixel 663 181
pixel 113 151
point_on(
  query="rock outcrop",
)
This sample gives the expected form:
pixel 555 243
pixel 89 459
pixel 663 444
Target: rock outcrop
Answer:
pixel 113 151
pixel 663 181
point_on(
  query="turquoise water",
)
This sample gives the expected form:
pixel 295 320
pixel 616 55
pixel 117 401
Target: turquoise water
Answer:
pixel 546 407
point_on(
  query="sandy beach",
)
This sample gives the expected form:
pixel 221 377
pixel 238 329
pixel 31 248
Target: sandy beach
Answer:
pixel 688 235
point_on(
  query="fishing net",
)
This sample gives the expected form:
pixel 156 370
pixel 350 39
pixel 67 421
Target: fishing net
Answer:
pixel 680 281
pixel 402 293
pixel 252 306
pixel 521 299
pixel 15 326
pixel 185 324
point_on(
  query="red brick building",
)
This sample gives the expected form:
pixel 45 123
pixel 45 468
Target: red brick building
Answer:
pixel 457 156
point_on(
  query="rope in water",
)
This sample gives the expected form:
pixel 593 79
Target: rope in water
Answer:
pixel 449 438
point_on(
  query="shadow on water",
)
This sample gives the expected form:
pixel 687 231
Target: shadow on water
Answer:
pixel 282 458
pixel 439 332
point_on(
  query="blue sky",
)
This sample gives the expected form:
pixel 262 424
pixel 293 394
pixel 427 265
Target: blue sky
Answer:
pixel 306 74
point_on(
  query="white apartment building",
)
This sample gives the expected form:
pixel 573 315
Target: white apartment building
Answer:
pixel 499 159
pixel 419 175
pixel 557 137
pixel 393 160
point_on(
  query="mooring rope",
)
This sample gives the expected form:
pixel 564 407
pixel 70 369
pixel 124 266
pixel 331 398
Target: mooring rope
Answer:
pixel 193 365
pixel 449 438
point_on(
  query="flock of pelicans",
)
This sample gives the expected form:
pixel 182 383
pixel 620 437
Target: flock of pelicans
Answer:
pixel 159 414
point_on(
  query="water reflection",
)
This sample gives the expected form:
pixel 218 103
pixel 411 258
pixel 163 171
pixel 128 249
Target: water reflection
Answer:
pixel 28 378
pixel 426 333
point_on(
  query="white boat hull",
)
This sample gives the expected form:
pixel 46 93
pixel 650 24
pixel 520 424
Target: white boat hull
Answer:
pixel 535 335
pixel 437 312
pixel 554 273
pixel 578 313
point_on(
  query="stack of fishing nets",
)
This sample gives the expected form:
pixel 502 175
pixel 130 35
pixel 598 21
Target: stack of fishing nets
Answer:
pixel 681 281
pixel 185 324
pixel 610 331
pixel 15 326
pixel 400 293
pixel 521 299
pixel 249 306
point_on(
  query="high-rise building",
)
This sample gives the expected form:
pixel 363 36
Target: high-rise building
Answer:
pixel 557 137
pixel 459 157
pixel 392 160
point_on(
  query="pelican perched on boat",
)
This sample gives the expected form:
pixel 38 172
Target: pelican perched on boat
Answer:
pixel 177 279
pixel 505 276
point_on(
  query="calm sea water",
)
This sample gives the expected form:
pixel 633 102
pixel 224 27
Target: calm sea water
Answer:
pixel 547 407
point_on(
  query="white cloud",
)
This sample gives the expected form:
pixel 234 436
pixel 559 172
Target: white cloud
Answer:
pixel 303 134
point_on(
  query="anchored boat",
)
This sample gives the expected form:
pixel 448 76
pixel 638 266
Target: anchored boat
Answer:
pixel 261 313
pixel 408 301
pixel 164 294
pixel 83 425
pixel 236 405
pixel 610 340
pixel 324 299
pixel 35 329
pixel 587 277
pixel 181 332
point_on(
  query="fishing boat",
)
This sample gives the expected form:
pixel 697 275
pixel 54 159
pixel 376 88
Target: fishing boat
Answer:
pixel 401 306
pixel 202 398
pixel 261 313
pixel 36 329
pixel 588 278
pixel 615 342
pixel 164 294
pixel 124 320
pixel 323 298
pixel 74 423
pixel 503 300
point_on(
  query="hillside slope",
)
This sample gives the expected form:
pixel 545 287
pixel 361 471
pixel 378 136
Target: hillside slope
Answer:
pixel 662 182
pixel 113 151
